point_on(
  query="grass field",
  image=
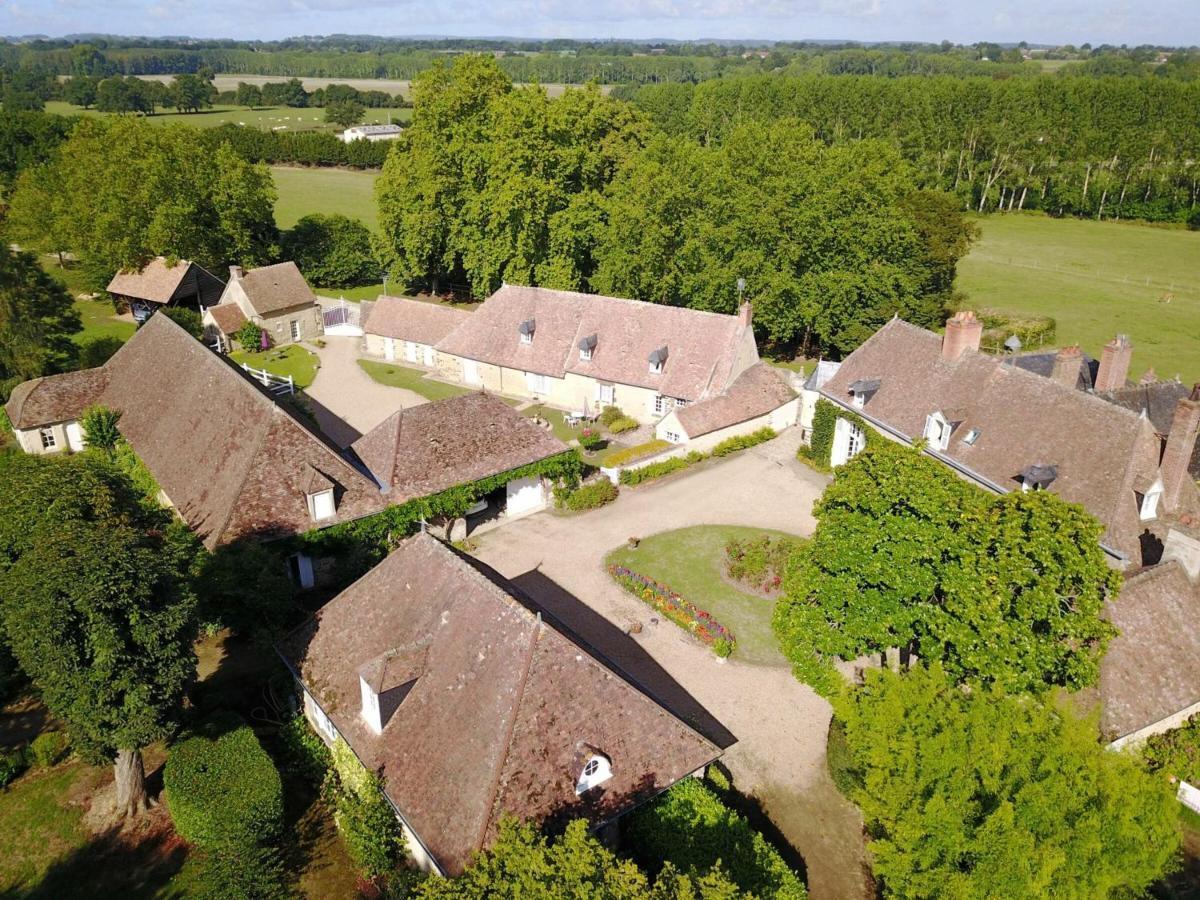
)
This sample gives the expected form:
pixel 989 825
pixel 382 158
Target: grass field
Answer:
pixel 268 117
pixel 291 360
pixel 304 191
pixel 225 82
pixel 411 379
pixel 1096 279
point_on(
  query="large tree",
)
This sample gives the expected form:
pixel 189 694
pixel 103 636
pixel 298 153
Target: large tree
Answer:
pixel 95 608
pixel 37 319
pixel 332 250
pixel 980 793
pixel 905 554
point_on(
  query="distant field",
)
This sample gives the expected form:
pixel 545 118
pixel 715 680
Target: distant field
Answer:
pixel 1096 279
pixel 303 191
pixel 268 117
pixel 391 85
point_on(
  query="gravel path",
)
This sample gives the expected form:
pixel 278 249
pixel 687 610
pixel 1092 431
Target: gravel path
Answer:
pixel 346 400
pixel 779 724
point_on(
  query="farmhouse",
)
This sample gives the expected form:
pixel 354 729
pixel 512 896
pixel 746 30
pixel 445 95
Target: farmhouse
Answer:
pixel 760 397
pixel 44 412
pixel 473 703
pixel 1007 428
pixel 396 328
pixel 583 352
pixel 386 132
pixel 429 448
pixel 276 298
pixel 160 284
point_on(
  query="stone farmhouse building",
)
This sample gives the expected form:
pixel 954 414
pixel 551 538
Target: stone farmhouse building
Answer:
pixel 474 703
pixel 585 352
pixel 396 329
pixel 1006 428
pixel 275 298
pixel 760 397
pixel 160 284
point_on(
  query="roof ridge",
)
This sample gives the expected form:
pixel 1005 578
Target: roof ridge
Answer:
pixel 241 482
pixel 628 300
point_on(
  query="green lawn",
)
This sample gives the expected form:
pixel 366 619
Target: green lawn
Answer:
pixel 357 294
pixel 304 191
pixel 38 826
pixel 690 561
pixel 411 379
pixel 267 117
pixel 1096 279
pixel 291 360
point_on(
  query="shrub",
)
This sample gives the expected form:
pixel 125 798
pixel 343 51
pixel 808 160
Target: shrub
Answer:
pixel 304 753
pixel 12 764
pixel 631 454
pixel 722 647
pixel 332 250
pixel 611 414
pixel 622 424
pixel 223 791
pixel 100 428
pixel 187 319
pixel 364 817
pixel 251 873
pixel 742 441
pixel 1176 752
pixel 680 611
pixel 690 828
pixel 48 748
pixel 590 440
pixel 592 496
pixel 759 562
pixel 654 470
pixel 250 336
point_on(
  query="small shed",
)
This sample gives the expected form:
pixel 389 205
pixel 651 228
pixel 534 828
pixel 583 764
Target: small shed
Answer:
pixel 160 283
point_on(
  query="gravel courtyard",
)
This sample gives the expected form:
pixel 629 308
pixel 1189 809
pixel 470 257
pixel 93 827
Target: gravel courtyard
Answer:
pixel 779 724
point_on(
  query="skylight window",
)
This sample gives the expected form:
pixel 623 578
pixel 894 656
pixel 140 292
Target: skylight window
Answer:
pixel 971 437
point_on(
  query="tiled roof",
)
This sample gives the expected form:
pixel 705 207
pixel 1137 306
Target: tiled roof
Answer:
pixel 1043 364
pixel 54 398
pixel 1152 669
pixel 428 448
pixel 1158 401
pixel 757 391
pixel 1101 451
pixel 228 317
pixel 412 320
pixel 502 707
pixel 157 281
pixel 272 289
pixel 703 348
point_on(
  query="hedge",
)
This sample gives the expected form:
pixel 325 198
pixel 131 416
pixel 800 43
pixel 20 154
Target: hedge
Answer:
pixel 659 469
pixel 306 148
pixel 632 454
pixel 691 828
pixel 591 496
pixel 223 789
pixel 363 815
pixel 682 612
pixel 48 748
pixel 1176 752
pixel 742 441
pixel 621 424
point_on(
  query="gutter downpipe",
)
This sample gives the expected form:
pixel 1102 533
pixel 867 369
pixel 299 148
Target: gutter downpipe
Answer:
pixel 948 461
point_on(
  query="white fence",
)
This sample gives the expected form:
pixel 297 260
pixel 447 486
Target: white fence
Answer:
pixel 276 384
pixel 1188 796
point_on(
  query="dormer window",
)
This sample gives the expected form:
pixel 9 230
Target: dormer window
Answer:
pixel 319 491
pixel 385 681
pixel 596 770
pixel 1038 477
pixel 1149 507
pixel 862 390
pixel 937 431
pixel 657 359
pixel 526 329
pixel 586 347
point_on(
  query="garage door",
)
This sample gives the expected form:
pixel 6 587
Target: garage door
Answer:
pixel 525 494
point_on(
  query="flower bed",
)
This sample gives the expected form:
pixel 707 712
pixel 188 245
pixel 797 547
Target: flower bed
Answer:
pixel 680 611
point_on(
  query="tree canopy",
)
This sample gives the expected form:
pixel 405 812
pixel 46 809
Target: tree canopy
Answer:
pixel 981 793
pixel 332 250
pixel 37 319
pixel 1003 589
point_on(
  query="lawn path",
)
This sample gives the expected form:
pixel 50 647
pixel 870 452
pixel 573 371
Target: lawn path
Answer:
pixel 780 724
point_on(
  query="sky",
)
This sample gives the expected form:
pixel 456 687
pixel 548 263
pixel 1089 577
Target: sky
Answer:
pixel 1172 22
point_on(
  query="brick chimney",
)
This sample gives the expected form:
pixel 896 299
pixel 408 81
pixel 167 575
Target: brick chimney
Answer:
pixel 746 313
pixel 235 273
pixel 1066 367
pixel 963 332
pixel 1180 444
pixel 1114 364
pixel 1150 377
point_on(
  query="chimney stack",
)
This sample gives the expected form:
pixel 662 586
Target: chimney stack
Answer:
pixel 1181 442
pixel 1066 367
pixel 746 313
pixel 963 332
pixel 1184 549
pixel 1114 364
pixel 1150 377
pixel 235 273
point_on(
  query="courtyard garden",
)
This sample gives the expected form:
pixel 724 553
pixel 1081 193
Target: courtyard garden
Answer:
pixel 691 562
pixel 291 360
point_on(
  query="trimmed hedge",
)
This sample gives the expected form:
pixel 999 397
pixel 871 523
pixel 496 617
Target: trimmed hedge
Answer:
pixel 622 424
pixel 692 829
pixel 659 469
pixel 223 790
pixel 632 454
pixel 592 496
pixel 742 441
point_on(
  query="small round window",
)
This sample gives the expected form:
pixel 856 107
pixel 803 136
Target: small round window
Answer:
pixel 592 767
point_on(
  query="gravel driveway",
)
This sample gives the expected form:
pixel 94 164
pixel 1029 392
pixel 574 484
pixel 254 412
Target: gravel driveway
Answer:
pixel 779 724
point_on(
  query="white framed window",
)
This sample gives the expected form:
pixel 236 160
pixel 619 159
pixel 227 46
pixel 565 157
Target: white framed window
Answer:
pixel 585 354
pixel 937 431
pixel 294 325
pixel 324 725
pixel 656 368
pixel 596 771
pixel 848 442
pixel 661 404
pixel 526 338
pixel 672 436
pixel 49 441
pixel 1149 509
pixel 604 394
pixel 536 383
pixel 321 505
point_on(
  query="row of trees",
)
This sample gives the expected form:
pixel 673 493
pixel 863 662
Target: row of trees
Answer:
pixel 185 93
pixel 1102 147
pixel 492 184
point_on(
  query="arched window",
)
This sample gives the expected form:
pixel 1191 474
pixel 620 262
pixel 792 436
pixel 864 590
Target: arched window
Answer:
pixel 596 770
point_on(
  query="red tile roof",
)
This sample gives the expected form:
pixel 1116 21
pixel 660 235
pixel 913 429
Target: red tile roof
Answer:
pixel 758 391
pixel 428 448
pixel 54 398
pixel 503 709
pixel 703 348
pixel 272 289
pixel 228 317
pixel 412 320
pixel 157 281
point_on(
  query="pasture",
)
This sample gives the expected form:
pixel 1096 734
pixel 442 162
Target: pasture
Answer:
pixel 1096 279
pixel 303 191
pixel 227 82
pixel 267 118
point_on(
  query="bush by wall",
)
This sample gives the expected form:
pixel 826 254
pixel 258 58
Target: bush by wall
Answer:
pixel 742 441
pixel 223 789
pixel 304 754
pixel 653 470
pixel 366 820
pixel 1176 752
pixel 622 424
pixel 48 748
pixel 692 829
pixel 758 562
pixel 591 496
pixel 611 414
pixel 250 336
pixel 632 454
pixel 680 611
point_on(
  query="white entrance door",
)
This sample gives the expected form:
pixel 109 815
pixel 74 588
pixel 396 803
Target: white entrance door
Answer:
pixel 847 442
pixel 389 349
pixel 470 371
pixel 429 360
pixel 75 436
pixel 524 494
pixel 410 351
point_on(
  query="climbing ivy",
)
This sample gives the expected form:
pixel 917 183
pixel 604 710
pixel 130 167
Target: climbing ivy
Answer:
pixel 820 442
